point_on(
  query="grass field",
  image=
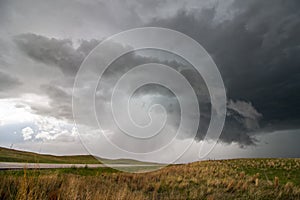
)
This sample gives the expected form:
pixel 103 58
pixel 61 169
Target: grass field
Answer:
pixel 11 155
pixel 219 179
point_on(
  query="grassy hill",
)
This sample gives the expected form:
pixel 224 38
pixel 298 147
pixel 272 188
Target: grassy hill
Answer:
pixel 11 155
pixel 218 179
pixel 265 178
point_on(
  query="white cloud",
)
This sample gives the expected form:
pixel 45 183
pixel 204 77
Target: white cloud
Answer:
pixel 10 113
pixel 18 110
pixel 52 129
pixel 27 133
pixel 45 136
pixel 244 108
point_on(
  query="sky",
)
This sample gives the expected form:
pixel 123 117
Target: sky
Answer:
pixel 255 45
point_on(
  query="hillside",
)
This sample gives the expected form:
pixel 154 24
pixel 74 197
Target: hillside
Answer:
pixel 264 178
pixel 217 179
pixel 11 155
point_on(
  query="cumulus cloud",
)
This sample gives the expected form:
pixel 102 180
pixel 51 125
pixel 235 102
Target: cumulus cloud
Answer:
pixel 27 133
pixel 52 129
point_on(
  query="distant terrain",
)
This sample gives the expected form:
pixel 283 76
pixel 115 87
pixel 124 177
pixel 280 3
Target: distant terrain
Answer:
pixel 265 178
pixel 11 155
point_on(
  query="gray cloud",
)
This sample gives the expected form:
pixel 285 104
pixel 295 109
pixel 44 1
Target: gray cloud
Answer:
pixel 60 102
pixel 256 48
pixel 7 81
pixel 246 110
pixel 257 53
pixel 243 118
pixel 59 53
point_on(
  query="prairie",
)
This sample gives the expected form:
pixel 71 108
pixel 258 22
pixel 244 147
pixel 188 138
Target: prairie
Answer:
pixel 214 179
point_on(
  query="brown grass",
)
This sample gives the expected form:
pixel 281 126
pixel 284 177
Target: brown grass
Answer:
pixel 201 180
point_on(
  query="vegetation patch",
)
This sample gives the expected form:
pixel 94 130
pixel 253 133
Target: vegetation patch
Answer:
pixel 219 179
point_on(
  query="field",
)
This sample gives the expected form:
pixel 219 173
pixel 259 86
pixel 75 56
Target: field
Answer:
pixel 11 155
pixel 215 179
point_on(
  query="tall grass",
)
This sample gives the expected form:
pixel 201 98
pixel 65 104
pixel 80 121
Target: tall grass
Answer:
pixel 234 179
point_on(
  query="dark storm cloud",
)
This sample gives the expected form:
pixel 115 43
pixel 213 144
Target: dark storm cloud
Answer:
pixel 256 49
pixel 60 103
pixel 7 81
pixel 257 52
pixel 242 116
pixel 59 53
pixel 242 119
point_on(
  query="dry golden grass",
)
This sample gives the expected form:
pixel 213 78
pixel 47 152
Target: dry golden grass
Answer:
pixel 232 179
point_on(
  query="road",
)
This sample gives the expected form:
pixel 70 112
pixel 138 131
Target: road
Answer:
pixel 13 165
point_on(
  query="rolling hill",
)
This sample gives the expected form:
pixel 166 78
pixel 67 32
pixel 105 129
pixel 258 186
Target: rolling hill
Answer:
pixel 12 155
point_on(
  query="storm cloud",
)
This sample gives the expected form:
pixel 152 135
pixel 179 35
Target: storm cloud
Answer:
pixel 7 81
pixel 255 45
pixel 242 118
pixel 56 52
pixel 257 51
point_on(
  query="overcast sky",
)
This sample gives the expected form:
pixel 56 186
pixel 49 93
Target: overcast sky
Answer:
pixel 255 45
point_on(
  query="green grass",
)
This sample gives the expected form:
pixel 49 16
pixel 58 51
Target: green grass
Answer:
pixel 62 171
pixel 217 179
pixel 286 169
pixel 11 155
